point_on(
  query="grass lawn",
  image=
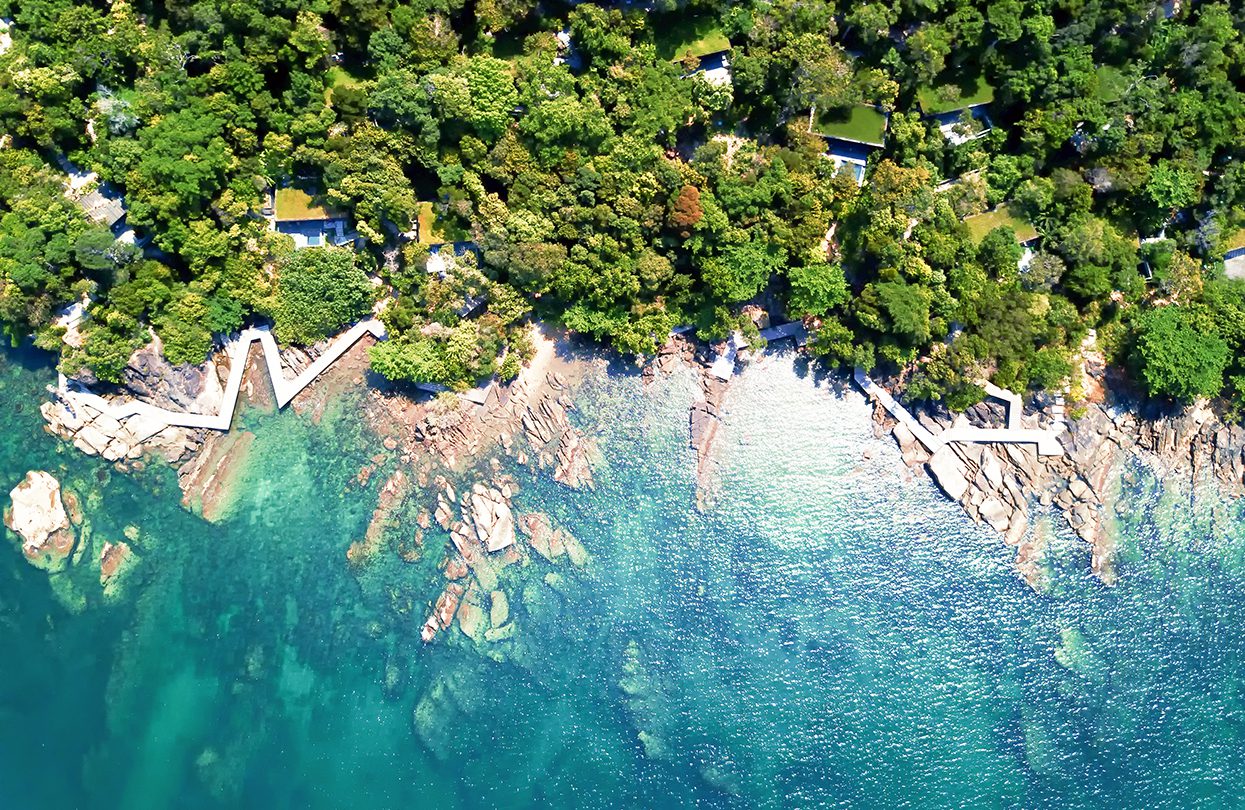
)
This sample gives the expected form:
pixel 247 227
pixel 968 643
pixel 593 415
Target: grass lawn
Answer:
pixel 296 204
pixel 433 230
pixel 859 123
pixel 981 224
pixel 1235 242
pixel 680 35
pixel 508 45
pixel 1112 84
pixel 429 230
pixel 955 94
pixel 340 77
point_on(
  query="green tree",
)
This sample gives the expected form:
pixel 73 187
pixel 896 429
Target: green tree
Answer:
pixel 1177 360
pixel 742 270
pixel 816 288
pixel 183 162
pixel 907 307
pixel 319 291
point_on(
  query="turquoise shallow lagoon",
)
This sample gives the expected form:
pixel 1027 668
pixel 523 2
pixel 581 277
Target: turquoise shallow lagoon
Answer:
pixel 831 633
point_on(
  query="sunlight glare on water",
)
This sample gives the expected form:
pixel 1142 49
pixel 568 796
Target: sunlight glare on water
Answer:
pixel 831 632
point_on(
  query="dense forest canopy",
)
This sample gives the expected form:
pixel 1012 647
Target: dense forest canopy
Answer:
pixel 574 162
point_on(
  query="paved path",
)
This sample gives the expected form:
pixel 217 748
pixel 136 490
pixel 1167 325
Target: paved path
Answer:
pixel 1014 406
pixel 1047 441
pixel 874 391
pixel 285 389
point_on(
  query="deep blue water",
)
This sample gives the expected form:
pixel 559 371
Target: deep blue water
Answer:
pixel 831 632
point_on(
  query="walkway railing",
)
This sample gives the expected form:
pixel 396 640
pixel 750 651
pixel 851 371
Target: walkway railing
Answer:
pixel 285 389
pixel 1047 441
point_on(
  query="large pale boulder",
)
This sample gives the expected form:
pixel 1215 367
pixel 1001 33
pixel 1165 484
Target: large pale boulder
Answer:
pixel 996 513
pixel 492 518
pixel 502 534
pixel 38 515
pixel 948 470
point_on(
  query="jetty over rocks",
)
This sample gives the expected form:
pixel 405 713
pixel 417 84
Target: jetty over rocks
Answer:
pixel 1045 440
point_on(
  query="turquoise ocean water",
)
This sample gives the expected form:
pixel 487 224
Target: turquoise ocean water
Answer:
pixel 831 633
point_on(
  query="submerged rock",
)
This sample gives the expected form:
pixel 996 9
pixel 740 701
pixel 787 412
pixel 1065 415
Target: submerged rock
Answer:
pixel 442 612
pixel 1075 654
pixel 433 719
pixel 114 560
pixel 499 610
pixel 539 533
pixel 38 515
pixel 574 549
pixel 455 567
pixel 500 633
pixel 472 619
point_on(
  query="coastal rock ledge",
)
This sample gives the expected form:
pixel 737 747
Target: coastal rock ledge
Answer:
pixel 1001 485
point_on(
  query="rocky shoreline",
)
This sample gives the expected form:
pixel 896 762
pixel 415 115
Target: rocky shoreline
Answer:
pixel 149 377
pixel 1006 486
pixel 705 414
pixel 1009 486
pixel 1003 486
pixel 425 441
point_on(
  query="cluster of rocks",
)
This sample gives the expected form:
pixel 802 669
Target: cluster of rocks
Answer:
pixel 97 434
pixel 675 353
pixel 149 378
pixel 483 541
pixel 555 441
pixel 490 516
pixel 56 537
pixel 551 542
pixel 1193 440
pixel 454 430
pixel 191 389
pixel 987 414
pixel 999 485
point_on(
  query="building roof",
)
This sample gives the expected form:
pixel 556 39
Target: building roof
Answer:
pixel 949 124
pixel 963 93
pixel 1235 267
pixel 104 210
pixel 296 205
pixel 859 123
pixel 716 68
pixel 679 35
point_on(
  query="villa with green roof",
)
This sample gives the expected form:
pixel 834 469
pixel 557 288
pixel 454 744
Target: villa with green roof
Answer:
pixel 1004 215
pixel 851 133
pixel 309 222
pixel 680 37
pixel 959 107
